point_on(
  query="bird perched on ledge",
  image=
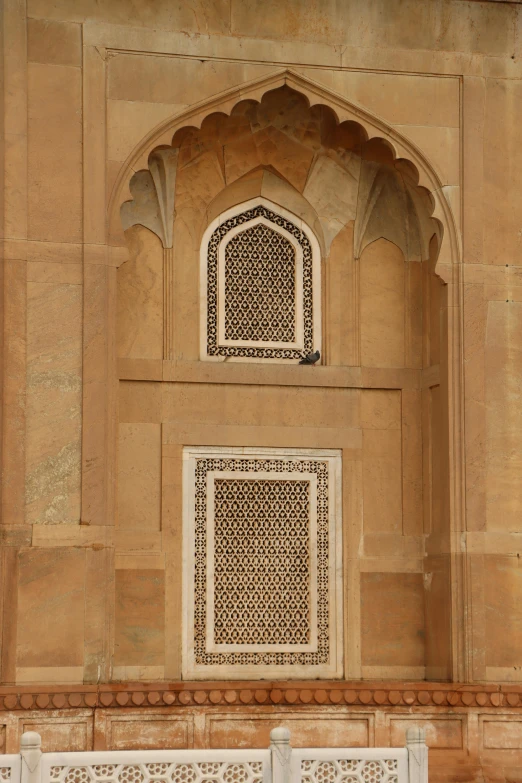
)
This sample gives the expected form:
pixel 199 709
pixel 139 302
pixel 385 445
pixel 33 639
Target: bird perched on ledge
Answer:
pixel 312 358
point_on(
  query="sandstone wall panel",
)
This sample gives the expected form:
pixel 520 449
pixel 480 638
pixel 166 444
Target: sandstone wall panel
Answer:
pixel 140 618
pixel 392 619
pixel 392 25
pixel 54 42
pixel 503 596
pixel 502 188
pixel 129 121
pixel 382 481
pixel 54 153
pixel 54 389
pixel 382 305
pixel 168 80
pixel 139 477
pixel 156 731
pixel 254 732
pixel 140 297
pixel 48 612
pixel 441 733
pixel 198 16
pixel 503 364
pixel 341 335
pixel 57 733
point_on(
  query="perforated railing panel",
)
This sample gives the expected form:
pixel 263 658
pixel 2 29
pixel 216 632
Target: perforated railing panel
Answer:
pixel 10 768
pixel 353 765
pixel 161 772
pixel 297 765
pixel 157 766
pixel 350 771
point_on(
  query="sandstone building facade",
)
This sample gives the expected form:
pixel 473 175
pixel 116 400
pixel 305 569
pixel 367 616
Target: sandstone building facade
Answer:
pixel 202 538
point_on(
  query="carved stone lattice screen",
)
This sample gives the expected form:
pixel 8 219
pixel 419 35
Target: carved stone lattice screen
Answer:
pixel 262 538
pixel 353 770
pixel 260 286
pixel 260 269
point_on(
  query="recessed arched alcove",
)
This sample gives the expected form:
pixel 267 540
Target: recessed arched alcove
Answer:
pixel 374 208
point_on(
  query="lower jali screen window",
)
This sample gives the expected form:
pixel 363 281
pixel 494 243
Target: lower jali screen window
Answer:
pixel 261 545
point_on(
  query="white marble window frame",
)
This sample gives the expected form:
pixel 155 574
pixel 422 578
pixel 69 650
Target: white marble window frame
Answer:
pixel 198 671
pixel 238 209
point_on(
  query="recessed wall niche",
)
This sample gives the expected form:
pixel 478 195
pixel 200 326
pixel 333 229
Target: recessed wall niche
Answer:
pixel 383 310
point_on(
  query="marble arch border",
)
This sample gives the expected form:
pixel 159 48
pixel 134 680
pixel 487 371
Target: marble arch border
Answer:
pixel 100 262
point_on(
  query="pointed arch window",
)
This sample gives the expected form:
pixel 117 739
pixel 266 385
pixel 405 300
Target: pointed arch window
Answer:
pixel 261 285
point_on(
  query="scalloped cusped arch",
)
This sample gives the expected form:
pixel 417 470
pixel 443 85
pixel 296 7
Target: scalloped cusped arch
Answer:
pixel 367 160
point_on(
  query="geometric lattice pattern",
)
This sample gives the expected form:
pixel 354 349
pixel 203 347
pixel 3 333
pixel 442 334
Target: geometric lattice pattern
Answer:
pixel 260 286
pixel 5 773
pixel 350 771
pixel 202 772
pixel 261 561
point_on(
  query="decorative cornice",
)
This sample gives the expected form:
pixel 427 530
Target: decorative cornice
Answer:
pixel 287 694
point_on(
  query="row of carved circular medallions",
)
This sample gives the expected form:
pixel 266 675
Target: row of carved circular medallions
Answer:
pixel 287 697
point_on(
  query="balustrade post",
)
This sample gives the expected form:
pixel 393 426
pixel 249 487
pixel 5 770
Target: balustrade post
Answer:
pixel 281 753
pixel 31 755
pixel 417 755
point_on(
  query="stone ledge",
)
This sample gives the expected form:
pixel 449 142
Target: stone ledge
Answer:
pixel 257 373
pixel 164 694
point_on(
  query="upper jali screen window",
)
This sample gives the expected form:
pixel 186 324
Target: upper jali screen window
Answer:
pixel 260 270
